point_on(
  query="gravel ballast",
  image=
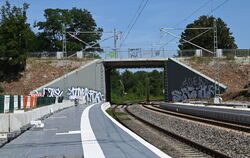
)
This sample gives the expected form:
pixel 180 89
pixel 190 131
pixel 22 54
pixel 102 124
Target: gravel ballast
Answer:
pixel 231 143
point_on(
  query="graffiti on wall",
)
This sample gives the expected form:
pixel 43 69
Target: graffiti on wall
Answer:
pixel 195 87
pixel 83 94
pixel 134 52
pixel 52 92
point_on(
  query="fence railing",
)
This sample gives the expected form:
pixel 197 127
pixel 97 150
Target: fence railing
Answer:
pixel 11 103
pixel 145 53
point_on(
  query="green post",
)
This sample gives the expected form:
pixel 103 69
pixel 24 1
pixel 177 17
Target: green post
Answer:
pixel 11 103
pixel 19 101
pixel 1 104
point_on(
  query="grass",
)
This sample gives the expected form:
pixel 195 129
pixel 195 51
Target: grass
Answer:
pixel 1 88
pixel 230 57
pixel 110 112
pixel 164 148
pixel 201 60
pixel 120 113
pixel 125 119
pixel 132 98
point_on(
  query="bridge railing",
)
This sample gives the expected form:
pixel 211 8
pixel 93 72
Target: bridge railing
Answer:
pixel 144 53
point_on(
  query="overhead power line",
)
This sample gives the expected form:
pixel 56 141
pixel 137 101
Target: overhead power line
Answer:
pixel 186 18
pixel 194 12
pixel 220 5
pixel 140 10
pixel 135 15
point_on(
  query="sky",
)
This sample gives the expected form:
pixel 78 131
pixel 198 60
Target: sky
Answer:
pixel 110 14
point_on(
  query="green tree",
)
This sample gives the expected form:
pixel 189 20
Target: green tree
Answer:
pixel 74 20
pixel 138 85
pixel 156 82
pixel 225 38
pixel 128 80
pixel 14 36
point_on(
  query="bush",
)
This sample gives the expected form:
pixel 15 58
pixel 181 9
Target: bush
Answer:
pixel 230 57
pixel 1 89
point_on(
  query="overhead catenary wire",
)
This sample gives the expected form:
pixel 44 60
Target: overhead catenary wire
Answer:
pixel 135 15
pixel 220 5
pixel 194 12
pixel 134 22
pixel 186 18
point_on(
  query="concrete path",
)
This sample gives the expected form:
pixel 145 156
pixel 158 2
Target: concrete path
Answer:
pixel 60 137
pixel 80 131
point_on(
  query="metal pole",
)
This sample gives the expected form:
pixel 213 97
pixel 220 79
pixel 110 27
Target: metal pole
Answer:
pixel 115 43
pixel 64 56
pixel 217 72
pixel 64 42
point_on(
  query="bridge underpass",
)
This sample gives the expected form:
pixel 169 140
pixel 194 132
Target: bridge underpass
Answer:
pixel 110 65
pixel 180 81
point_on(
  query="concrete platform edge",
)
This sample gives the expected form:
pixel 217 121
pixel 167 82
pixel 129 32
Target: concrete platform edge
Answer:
pixel 154 149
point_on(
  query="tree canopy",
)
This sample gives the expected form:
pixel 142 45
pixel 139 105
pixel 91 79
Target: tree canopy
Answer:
pixel 135 86
pixel 73 20
pixel 225 38
pixel 14 36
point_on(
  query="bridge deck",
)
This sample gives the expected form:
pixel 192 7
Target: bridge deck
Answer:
pixel 135 63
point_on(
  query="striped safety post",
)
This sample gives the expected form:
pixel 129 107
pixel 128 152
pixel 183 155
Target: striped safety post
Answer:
pixel 25 98
pixel 15 102
pixel 31 101
pixel 35 101
pixel 6 103
pixel 26 102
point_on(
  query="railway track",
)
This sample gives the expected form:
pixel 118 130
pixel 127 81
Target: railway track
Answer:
pixel 190 148
pixel 227 125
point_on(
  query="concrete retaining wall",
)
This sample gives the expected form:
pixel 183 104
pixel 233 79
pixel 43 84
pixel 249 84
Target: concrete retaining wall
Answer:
pixel 183 83
pixel 90 76
pixel 14 121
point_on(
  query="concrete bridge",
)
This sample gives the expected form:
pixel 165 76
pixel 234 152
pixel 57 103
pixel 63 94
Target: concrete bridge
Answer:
pixel 180 81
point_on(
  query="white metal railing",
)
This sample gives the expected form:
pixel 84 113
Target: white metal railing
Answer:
pixel 146 53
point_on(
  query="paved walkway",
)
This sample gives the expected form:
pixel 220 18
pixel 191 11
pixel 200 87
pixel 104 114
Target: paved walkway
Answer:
pixel 60 137
pixel 76 132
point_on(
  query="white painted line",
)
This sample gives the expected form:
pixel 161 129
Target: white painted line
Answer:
pixel 90 145
pixel 50 129
pixel 57 117
pixel 69 132
pixel 155 150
